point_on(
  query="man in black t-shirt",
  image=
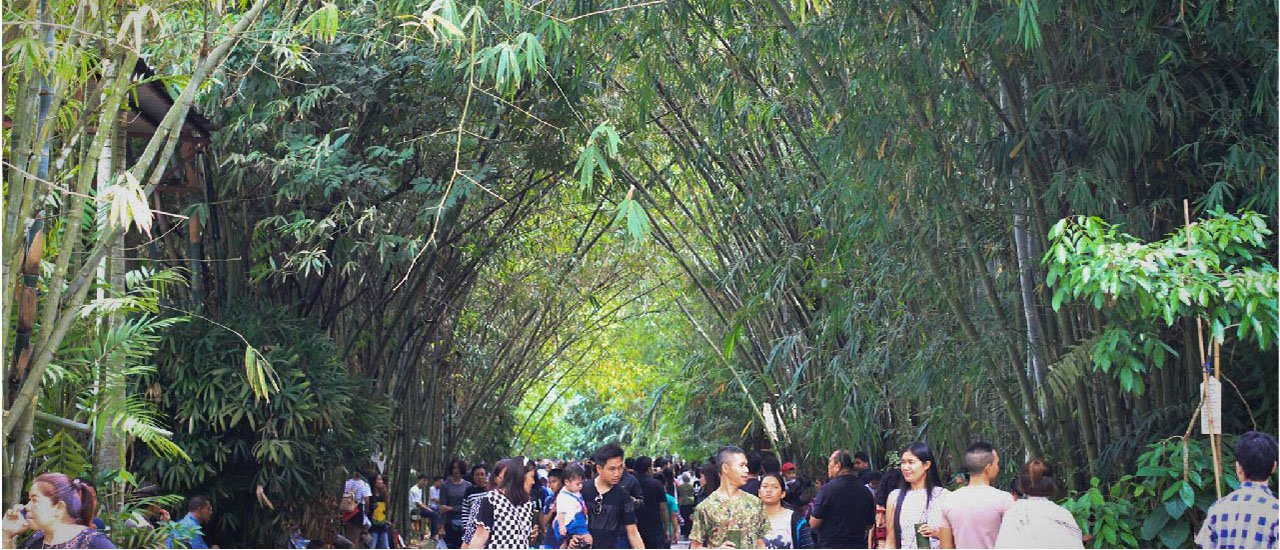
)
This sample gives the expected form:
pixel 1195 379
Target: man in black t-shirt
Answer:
pixel 844 508
pixel 649 519
pixel 611 514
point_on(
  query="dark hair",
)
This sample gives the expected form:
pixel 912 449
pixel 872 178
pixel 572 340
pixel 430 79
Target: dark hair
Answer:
pixel 661 462
pixel 931 480
pixel 499 469
pixel 458 465
pixel 1256 455
pixel 844 459
pixel 770 464
pixel 197 503
pixel 479 467
pixel 1014 489
pixel 863 456
pixel 777 476
pixel 357 474
pixel 892 478
pixel 753 462
pixel 978 456
pixel 722 455
pixel 643 465
pixel 438 478
pixel 1036 479
pixel 556 473
pixel 629 463
pixel 423 476
pixel 513 476
pixel 79 496
pixel 573 471
pixel 606 452
pixel 712 473
pixel 875 475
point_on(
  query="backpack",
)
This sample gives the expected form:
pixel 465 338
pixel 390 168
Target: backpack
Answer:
pixel 348 502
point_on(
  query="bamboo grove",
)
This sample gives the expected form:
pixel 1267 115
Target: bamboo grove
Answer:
pixel 417 230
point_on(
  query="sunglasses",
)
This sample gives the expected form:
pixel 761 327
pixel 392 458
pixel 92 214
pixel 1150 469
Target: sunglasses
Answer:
pixel 597 505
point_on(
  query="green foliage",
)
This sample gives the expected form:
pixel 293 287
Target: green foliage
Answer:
pixel 1161 505
pixel 293 446
pixel 1216 269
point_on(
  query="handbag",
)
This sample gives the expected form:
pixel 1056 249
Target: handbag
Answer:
pixel 348 502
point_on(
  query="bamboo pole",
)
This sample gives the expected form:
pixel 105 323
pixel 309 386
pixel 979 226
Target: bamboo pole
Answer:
pixel 1204 372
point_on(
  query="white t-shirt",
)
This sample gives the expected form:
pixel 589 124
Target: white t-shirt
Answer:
pixel 433 495
pixel 415 496
pixel 917 507
pixel 779 534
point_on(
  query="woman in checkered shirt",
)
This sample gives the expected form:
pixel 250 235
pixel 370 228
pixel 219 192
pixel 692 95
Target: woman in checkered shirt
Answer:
pixel 505 517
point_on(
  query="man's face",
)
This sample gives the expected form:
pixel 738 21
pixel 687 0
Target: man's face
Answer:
pixel 438 483
pixel 480 477
pixel 205 514
pixel 611 471
pixel 993 469
pixel 860 465
pixel 554 484
pixel 833 466
pixel 733 471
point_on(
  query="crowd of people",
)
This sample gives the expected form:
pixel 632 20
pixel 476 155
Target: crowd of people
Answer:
pixel 736 499
pixel 740 499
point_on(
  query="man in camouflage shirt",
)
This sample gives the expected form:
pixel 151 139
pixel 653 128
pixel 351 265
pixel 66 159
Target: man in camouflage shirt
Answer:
pixel 729 517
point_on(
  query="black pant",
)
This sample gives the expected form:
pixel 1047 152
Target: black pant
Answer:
pixel 452 535
pixel 686 513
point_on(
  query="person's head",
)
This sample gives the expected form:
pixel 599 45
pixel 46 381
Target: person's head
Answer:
pixel 609 463
pixel 873 480
pixel 644 466
pixel 709 477
pixel 574 476
pixel 1255 456
pixel 731 465
pixel 201 508
pixel 379 482
pixel 422 481
pixel 919 469
pixel 891 480
pixel 457 469
pixel 789 471
pixel 861 461
pixel 840 462
pixel 770 464
pixel 1014 490
pixel 772 488
pixel 754 461
pixel 982 462
pixel 555 479
pixel 356 474
pixel 479 475
pixel 629 463
pixel 57 499
pixel 1036 480
pixel 515 480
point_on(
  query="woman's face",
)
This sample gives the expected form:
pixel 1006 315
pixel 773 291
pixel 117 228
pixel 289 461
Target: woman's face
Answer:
pixel 771 492
pixel 41 511
pixel 380 482
pixel 913 470
pixel 528 481
pixel 480 477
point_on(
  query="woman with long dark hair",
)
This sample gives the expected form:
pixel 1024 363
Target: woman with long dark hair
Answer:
pixel 378 527
pixel 505 516
pixel 913 508
pixel 61 510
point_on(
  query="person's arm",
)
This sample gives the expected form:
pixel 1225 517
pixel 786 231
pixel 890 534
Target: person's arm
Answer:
pixel 890 538
pixel 945 538
pixel 665 514
pixel 480 538
pixel 633 535
pixel 819 510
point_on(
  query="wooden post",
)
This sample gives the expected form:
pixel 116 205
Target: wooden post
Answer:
pixel 1214 440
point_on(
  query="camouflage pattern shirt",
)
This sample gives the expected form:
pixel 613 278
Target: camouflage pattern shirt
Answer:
pixel 740 520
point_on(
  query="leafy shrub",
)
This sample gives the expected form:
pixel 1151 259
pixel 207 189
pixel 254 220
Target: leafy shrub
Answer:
pixel 292 444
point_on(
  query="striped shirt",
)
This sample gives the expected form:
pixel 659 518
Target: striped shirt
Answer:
pixel 1246 518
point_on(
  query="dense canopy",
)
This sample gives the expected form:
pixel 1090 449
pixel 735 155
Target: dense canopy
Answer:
pixel 407 231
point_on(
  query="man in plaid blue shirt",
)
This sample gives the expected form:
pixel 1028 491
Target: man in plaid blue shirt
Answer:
pixel 1247 517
